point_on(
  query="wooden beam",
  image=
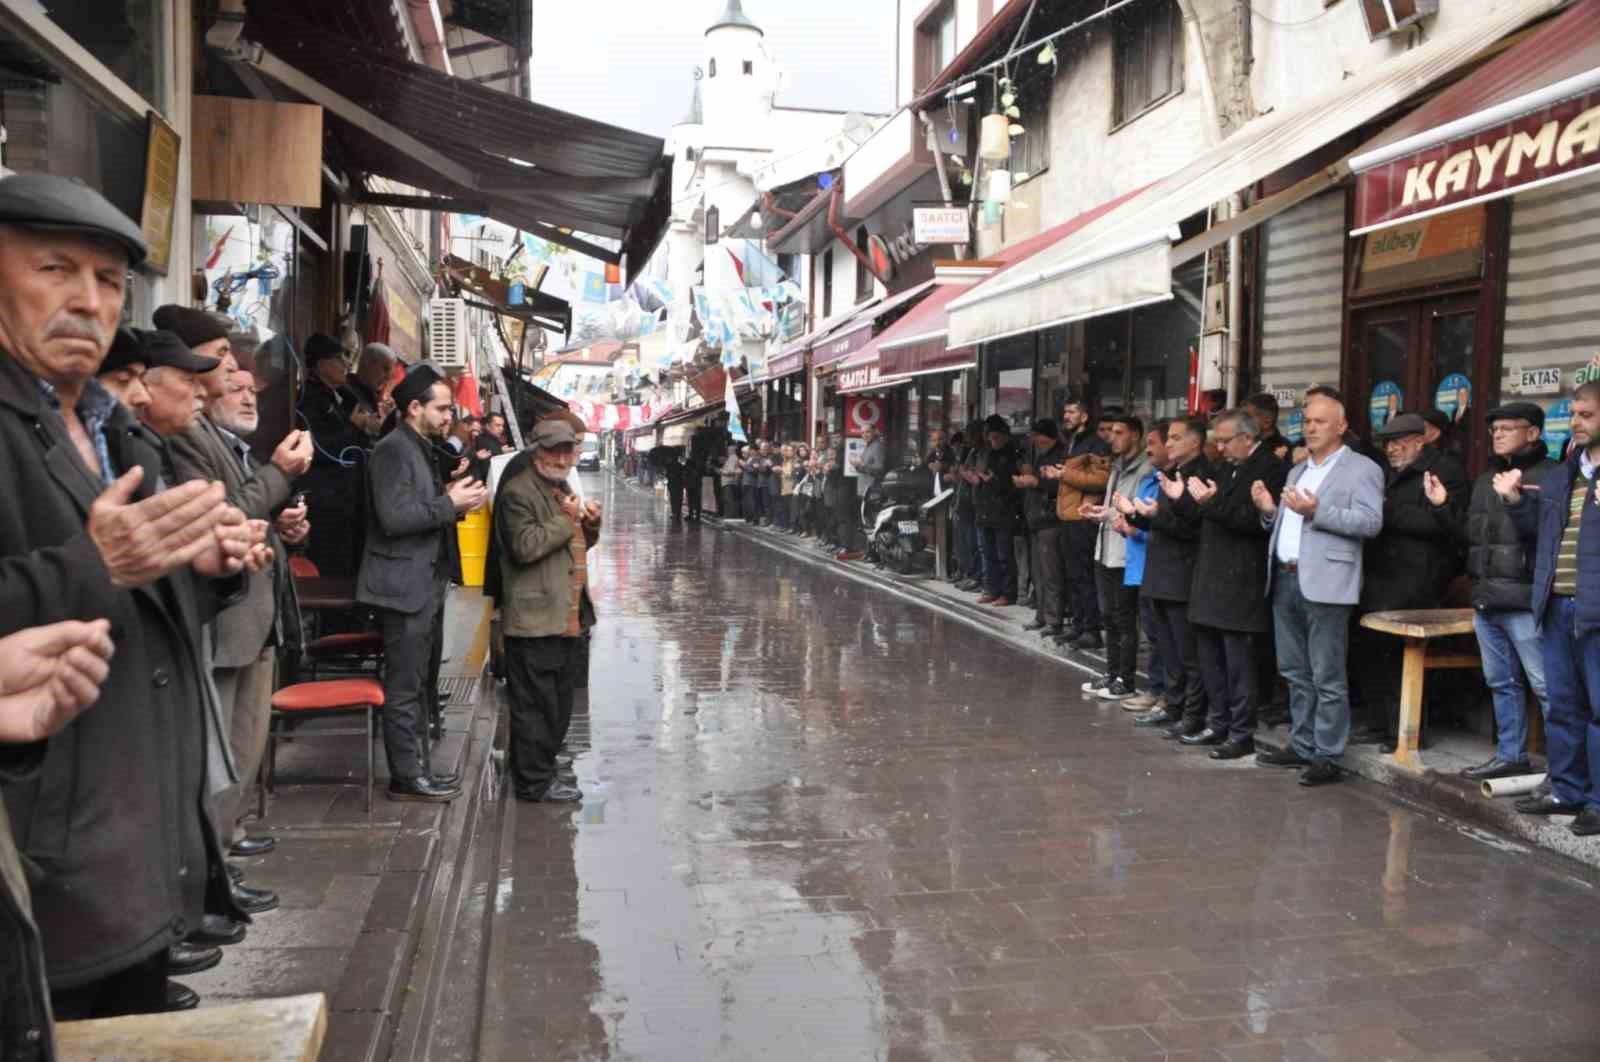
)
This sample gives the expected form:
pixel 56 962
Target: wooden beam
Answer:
pixel 1223 231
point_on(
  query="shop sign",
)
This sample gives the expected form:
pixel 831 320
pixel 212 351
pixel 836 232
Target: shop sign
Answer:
pixel 1285 397
pixel 1541 381
pixel 1560 140
pixel 161 166
pixel 941 225
pixel 861 414
pixel 792 320
pixel 843 346
pixel 1589 373
pixel 857 378
pixel 1453 397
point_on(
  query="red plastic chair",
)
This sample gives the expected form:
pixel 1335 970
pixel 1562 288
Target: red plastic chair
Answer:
pixel 306 700
pixel 302 567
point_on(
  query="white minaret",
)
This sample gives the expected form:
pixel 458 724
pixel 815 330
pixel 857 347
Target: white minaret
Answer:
pixel 740 80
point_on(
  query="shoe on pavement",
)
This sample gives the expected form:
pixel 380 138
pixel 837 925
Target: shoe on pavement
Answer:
pixel 1284 757
pixel 1087 640
pixel 848 555
pixel 1140 702
pixel 186 958
pixel 180 997
pixel 999 602
pixel 1321 772
pixel 557 792
pixel 1207 736
pixel 216 929
pixel 1495 767
pixel 255 901
pixel 1096 684
pixel 1546 805
pixel 1158 717
pixel 1587 824
pixel 1234 750
pixel 253 846
pixel 422 789
pixel 1181 729
pixel 1116 691
pixel 988 599
pixel 1034 625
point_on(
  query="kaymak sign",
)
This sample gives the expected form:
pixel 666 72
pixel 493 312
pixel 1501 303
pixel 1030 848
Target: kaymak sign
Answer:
pixel 1424 175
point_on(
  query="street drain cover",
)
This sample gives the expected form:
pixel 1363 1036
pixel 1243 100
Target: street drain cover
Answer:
pixel 459 691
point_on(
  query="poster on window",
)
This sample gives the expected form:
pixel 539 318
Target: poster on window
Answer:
pixel 1384 403
pixel 1453 397
pixel 1558 428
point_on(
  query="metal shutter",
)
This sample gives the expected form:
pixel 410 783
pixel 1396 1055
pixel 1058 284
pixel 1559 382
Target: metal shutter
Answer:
pixel 1302 295
pixel 1553 282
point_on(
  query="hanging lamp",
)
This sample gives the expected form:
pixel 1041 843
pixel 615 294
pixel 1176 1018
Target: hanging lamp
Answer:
pixel 994 139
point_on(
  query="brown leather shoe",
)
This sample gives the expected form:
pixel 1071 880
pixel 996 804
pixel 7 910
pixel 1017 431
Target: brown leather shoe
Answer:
pixel 988 599
pixel 1000 602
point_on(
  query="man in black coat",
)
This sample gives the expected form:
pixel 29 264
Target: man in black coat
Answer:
pixel 1045 530
pixel 1500 563
pixel 1407 566
pixel 333 487
pixel 998 504
pixel 122 858
pixel 1173 521
pixel 1228 603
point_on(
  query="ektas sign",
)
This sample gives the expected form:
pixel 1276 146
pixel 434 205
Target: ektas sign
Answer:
pixel 1561 140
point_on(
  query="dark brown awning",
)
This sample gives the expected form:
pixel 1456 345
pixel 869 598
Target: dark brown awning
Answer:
pixel 445 135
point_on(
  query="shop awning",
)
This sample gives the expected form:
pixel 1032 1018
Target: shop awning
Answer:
pixel 548 172
pixel 856 331
pixel 1125 258
pixel 1529 117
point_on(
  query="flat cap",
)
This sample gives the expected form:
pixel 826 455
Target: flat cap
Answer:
pixel 126 349
pixel 162 348
pixel 1404 424
pixel 320 346
pixel 192 326
pixel 552 432
pixel 419 380
pixel 1531 412
pixel 61 204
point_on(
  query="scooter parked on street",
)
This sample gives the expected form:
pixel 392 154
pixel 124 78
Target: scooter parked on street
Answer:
pixel 893 512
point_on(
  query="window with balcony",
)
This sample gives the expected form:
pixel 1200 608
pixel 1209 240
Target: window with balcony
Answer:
pixel 1148 59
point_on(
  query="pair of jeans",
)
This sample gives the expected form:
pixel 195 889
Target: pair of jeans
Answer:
pixel 999 571
pixel 1572 682
pixel 1119 605
pixel 541 680
pixel 781 510
pixel 1180 658
pixel 1083 598
pixel 1313 643
pixel 1509 643
pixel 750 502
pixel 1158 660
pixel 1228 664
pixel 1049 575
pixel 968 554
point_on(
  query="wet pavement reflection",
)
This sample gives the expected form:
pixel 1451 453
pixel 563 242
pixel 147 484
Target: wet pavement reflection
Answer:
pixel 825 824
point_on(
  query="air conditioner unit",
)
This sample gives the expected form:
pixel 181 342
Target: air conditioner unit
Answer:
pixel 1385 17
pixel 447 319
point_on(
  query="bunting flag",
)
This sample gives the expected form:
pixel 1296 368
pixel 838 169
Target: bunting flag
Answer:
pixel 730 402
pixel 738 264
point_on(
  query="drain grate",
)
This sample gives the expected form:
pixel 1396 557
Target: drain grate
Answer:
pixel 458 692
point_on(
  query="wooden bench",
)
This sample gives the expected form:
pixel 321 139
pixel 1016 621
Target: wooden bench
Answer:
pixel 263 1030
pixel 1418 627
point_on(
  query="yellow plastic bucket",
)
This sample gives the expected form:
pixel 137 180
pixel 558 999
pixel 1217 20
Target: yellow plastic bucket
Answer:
pixel 472 534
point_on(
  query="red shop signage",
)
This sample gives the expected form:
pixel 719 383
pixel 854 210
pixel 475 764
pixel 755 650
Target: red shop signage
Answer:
pixel 1549 144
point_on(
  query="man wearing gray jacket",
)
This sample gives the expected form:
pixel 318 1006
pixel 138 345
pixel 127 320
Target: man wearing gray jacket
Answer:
pixel 1119 603
pixel 406 568
pixel 1332 502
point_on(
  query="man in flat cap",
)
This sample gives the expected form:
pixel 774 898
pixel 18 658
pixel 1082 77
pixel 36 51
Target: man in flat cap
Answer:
pixel 539 576
pixel 333 486
pixel 1407 566
pixel 90 533
pixel 369 386
pixel 406 570
pixel 215 448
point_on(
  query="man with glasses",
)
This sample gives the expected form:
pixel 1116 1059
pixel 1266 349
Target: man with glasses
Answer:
pixel 1501 566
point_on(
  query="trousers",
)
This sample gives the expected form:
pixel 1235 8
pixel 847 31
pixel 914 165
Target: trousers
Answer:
pixel 967 553
pixel 408 642
pixel 541 678
pixel 1313 641
pixel 1572 681
pixel 1120 606
pixel 245 696
pixel 999 562
pixel 1083 598
pixel 1510 644
pixel 1050 575
pixel 1174 636
pixel 1228 662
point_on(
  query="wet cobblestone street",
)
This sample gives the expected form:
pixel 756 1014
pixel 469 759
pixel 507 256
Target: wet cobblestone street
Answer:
pixel 822 824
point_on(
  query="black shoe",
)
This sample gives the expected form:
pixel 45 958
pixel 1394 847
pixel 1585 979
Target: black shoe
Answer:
pixel 186 958
pixel 1157 717
pixel 255 901
pixel 1321 772
pixel 1546 805
pixel 1284 757
pixel 1087 640
pixel 1587 824
pixel 253 846
pixel 1544 788
pixel 557 792
pixel 1495 767
pixel 180 997
pixel 1050 631
pixel 218 930
pixel 1116 691
pixel 1034 625
pixel 1068 633
pixel 1207 736
pixel 235 872
pixel 1234 750
pixel 421 789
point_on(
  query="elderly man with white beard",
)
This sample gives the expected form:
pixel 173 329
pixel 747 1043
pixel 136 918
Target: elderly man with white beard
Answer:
pixel 245 637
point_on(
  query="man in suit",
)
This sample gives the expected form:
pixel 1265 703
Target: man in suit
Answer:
pixel 406 568
pixel 216 449
pixel 1332 502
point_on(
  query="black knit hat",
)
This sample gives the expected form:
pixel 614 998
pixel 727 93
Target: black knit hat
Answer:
pixel 192 326
pixel 322 345
pixel 419 380
pixel 996 422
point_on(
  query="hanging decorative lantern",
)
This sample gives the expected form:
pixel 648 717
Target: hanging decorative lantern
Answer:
pixel 994 140
pixel 999 186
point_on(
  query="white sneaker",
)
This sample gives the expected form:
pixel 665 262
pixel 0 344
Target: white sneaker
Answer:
pixel 1096 684
pixel 1140 702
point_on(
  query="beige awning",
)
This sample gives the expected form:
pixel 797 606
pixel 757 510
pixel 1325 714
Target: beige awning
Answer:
pixel 1125 258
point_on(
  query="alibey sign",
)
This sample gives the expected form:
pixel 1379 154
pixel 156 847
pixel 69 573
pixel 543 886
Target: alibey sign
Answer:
pixel 1561 140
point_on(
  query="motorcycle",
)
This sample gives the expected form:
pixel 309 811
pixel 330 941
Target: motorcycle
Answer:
pixel 896 541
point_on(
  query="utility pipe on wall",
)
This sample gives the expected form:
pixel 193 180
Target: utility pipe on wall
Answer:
pixel 845 237
pixel 1232 361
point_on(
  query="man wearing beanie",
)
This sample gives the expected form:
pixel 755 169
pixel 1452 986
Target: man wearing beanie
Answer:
pixel 338 465
pixel 406 569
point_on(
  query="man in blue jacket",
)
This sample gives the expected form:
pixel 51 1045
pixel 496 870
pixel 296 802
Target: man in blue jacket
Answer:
pixel 1561 515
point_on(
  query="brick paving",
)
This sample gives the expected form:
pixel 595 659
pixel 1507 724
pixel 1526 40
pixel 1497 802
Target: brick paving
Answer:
pixel 826 824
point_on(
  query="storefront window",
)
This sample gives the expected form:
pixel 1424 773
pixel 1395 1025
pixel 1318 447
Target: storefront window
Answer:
pixel 1163 335
pixel 1105 363
pixel 126 35
pixel 1008 381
